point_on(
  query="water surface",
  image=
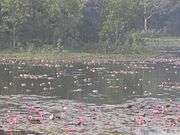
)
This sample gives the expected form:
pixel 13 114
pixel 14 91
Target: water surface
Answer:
pixel 116 92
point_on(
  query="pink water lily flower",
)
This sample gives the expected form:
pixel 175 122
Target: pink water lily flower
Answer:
pixel 159 110
pixel 69 129
pixel 81 120
pixel 140 120
pixel 13 120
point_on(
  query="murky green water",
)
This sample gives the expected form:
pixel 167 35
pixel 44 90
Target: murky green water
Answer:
pixel 97 89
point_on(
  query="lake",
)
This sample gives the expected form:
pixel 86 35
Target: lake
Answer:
pixel 90 98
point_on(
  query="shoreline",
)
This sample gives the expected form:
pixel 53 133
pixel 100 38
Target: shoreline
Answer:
pixel 71 57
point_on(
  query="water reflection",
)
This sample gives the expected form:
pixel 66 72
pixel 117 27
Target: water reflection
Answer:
pixel 99 83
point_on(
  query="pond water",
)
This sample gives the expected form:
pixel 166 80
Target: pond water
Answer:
pixel 17 133
pixel 141 98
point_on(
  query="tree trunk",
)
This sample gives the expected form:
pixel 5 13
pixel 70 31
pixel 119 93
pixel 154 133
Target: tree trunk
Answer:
pixel 14 37
pixel 14 27
pixel 145 24
pixel 54 37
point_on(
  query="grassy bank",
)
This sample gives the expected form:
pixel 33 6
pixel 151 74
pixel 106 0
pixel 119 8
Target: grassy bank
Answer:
pixel 71 56
pixel 163 42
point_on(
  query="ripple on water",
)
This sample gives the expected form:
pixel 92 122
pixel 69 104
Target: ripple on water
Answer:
pixel 2 132
pixel 141 98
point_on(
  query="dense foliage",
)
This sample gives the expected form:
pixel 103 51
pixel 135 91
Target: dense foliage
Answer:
pixel 111 26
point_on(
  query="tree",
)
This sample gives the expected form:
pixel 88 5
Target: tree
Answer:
pixel 65 16
pixel 153 7
pixel 119 21
pixel 14 10
pixel 90 27
pixel 75 24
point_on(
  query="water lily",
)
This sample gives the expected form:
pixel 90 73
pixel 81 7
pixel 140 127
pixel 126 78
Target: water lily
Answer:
pixel 13 120
pixel 69 129
pixel 140 120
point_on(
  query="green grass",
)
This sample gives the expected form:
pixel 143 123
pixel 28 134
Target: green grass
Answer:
pixel 163 42
pixel 70 56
